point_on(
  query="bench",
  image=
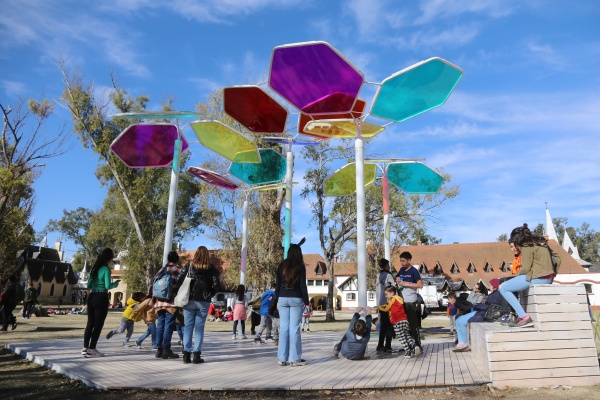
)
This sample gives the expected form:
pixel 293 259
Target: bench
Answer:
pixel 558 350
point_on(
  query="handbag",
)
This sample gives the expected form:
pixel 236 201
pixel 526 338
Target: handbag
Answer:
pixel 183 295
pixel 493 313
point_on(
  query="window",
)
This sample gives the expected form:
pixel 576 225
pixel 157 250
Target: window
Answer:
pixel 351 296
pixel 504 267
pixel 64 290
pixel 371 296
pixel 318 282
pixel 39 292
pixel 488 268
pixel 471 268
pixel 454 270
pixel 52 290
pixel 310 282
pixel 423 269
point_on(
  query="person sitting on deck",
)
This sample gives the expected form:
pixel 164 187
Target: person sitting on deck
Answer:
pixel 354 343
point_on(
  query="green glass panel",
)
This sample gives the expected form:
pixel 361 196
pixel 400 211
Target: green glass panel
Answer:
pixel 343 181
pixel 157 115
pixel 225 141
pixel 414 178
pixel 415 90
pixel 271 169
pixel 341 128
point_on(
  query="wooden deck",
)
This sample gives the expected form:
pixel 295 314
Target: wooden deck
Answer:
pixel 241 365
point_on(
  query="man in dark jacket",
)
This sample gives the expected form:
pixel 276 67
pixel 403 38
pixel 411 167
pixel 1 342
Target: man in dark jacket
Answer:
pixel 30 300
pixel 10 299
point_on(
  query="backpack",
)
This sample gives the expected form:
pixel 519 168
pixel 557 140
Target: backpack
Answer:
pixel 202 287
pixel 162 288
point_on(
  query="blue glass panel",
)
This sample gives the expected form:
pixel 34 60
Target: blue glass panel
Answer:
pixel 414 178
pixel 271 169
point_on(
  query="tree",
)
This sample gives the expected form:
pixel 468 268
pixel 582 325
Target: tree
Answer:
pixel 24 146
pixel 502 238
pixel 134 212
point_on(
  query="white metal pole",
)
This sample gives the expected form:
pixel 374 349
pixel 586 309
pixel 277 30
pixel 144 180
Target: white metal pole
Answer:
pixel 386 216
pixel 244 243
pixel 287 238
pixel 172 199
pixel 361 234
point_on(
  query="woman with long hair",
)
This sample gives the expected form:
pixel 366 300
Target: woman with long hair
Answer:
pixel 292 295
pixel 204 285
pixel 97 301
pixel 537 268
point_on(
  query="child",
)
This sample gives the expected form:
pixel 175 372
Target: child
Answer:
pixel 239 311
pixel 354 343
pixel 265 319
pixel 451 311
pixel 274 313
pixel 395 307
pixel 228 315
pixel 211 312
pixel 149 317
pixel 128 318
pixel 306 314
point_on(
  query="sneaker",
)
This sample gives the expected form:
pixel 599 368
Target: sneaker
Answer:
pixel 258 341
pixel 159 353
pixel 308 330
pixel 522 322
pixel 379 349
pixel 302 330
pixel 389 350
pixel 138 346
pixel 409 354
pixel 336 349
pixel 300 363
pixel 417 351
pixel 269 339
pixel 504 319
pixel 461 349
pixel 84 351
pixel 244 337
pixel 282 363
pixel 234 337
pixel 109 335
pixel 126 344
pixel 14 325
pixel 94 353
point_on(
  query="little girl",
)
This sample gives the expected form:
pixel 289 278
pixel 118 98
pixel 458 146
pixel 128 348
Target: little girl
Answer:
pixel 239 311
pixel 129 317
pixel 395 307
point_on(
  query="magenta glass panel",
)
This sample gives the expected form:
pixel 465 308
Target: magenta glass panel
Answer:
pixel 315 78
pixel 255 109
pixel 147 146
pixel 212 178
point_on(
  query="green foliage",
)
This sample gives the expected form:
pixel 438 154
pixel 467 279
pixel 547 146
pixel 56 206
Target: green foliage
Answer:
pixel 502 238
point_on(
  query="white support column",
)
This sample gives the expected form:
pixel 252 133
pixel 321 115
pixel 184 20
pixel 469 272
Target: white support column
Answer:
pixel 289 176
pixel 361 234
pixel 172 200
pixel 244 243
pixel 386 216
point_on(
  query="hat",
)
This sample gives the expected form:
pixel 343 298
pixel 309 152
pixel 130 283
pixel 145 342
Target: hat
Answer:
pixel 495 283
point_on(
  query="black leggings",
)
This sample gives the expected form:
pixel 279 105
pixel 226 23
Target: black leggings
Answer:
pixel 385 331
pixel 97 309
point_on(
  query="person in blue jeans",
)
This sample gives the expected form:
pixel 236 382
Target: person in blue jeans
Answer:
pixel 292 295
pixel 537 268
pixel 205 283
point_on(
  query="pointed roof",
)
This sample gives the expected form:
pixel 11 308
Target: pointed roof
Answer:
pixel 550 232
pixel 569 247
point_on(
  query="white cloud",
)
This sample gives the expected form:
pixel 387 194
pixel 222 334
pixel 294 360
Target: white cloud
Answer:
pixel 13 89
pixel 454 36
pixel 546 54
pixel 434 10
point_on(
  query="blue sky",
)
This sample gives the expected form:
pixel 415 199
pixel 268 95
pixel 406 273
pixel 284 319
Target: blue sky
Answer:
pixel 522 127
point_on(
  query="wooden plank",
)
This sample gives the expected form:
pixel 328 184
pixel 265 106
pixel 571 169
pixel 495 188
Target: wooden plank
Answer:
pixel 448 374
pixel 542 345
pixel 542 354
pixel 521 335
pixel 544 382
pixel 382 371
pixel 542 364
pixel 432 372
pixel 564 326
pixel 398 375
pixel 561 317
pixel 557 308
pixel 420 369
pixel 555 290
pixel 552 299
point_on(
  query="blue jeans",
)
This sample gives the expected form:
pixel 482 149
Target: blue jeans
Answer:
pixel 517 284
pixel 151 331
pixel 290 342
pixel 461 327
pixel 194 315
pixel 164 329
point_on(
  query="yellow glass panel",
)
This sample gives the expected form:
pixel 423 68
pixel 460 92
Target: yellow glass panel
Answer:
pixel 343 181
pixel 271 187
pixel 342 128
pixel 225 141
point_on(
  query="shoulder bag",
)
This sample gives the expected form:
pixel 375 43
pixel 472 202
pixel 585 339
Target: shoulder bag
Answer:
pixel 183 295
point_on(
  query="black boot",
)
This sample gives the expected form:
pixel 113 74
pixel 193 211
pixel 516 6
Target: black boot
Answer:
pixel 197 358
pixel 168 353
pixel 159 353
pixel 187 357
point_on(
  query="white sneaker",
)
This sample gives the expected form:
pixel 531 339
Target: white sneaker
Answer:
pixel 84 351
pixel 138 346
pixel 300 363
pixel 94 353
pixel 234 337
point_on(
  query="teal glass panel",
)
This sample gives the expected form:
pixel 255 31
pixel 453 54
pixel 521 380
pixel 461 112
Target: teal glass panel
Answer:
pixel 414 178
pixel 415 90
pixel 157 115
pixel 270 169
pixel 343 181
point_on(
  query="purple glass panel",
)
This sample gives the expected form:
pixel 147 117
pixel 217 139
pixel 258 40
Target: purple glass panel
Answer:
pixel 299 142
pixel 255 109
pixel 315 78
pixel 147 146
pixel 212 178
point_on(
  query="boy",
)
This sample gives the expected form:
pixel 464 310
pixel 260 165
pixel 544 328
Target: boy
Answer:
pixel 398 318
pixel 354 343
pixel 265 319
pixel 409 280
pixel 129 317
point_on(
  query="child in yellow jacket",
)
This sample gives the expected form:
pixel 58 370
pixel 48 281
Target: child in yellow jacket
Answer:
pixel 398 318
pixel 129 317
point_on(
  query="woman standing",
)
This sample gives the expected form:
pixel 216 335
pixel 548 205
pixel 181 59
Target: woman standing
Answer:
pixel 97 302
pixel 240 306
pixel 203 286
pixel 292 295
pixel 537 268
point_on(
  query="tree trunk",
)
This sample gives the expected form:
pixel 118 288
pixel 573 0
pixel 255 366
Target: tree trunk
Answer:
pixel 330 313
